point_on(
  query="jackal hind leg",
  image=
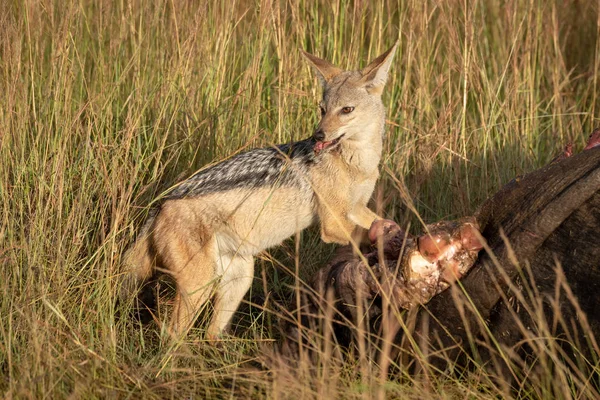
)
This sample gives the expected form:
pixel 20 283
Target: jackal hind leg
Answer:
pixel 237 273
pixel 186 248
pixel 195 278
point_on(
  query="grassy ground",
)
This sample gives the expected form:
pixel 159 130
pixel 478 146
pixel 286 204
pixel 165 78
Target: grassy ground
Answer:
pixel 105 104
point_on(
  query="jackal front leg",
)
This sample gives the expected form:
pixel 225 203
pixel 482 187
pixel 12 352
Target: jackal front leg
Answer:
pixel 363 217
pixel 336 227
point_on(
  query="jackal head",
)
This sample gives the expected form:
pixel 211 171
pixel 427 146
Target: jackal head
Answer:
pixel 351 109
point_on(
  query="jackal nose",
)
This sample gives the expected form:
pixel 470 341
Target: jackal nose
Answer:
pixel 319 135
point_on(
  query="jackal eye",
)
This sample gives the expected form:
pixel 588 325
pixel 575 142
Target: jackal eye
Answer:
pixel 347 110
pixel 322 110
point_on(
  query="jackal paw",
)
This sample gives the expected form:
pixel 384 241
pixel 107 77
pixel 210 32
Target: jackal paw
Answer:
pixel 382 227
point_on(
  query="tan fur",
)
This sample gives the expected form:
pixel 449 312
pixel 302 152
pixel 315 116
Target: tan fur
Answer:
pixel 208 242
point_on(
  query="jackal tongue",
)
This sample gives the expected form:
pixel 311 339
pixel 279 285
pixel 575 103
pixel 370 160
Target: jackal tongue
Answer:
pixel 322 146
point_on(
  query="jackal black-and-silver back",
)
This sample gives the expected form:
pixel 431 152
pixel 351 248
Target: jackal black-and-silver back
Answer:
pixel 281 165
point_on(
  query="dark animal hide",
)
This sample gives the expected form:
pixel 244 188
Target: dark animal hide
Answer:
pixel 538 276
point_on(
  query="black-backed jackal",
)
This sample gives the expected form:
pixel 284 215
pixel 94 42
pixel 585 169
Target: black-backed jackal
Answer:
pixel 208 229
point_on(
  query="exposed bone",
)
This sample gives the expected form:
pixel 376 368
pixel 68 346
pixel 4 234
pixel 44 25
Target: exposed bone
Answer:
pixel 415 269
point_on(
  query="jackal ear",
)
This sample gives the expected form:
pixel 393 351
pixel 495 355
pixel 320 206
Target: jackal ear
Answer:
pixel 375 74
pixel 324 69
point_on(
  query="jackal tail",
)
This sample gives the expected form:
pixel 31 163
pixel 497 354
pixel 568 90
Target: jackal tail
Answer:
pixel 138 263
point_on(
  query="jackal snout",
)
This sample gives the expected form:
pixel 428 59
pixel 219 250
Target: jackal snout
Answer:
pixel 319 135
pixel 328 134
pixel 329 128
pixel 322 142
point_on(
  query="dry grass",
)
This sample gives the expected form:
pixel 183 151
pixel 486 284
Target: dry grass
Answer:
pixel 105 104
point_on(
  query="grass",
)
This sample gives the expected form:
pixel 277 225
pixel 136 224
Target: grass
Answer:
pixel 106 104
